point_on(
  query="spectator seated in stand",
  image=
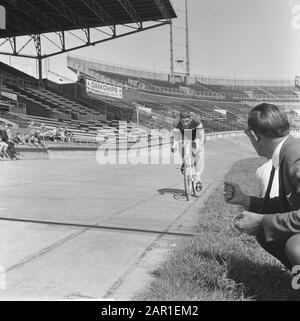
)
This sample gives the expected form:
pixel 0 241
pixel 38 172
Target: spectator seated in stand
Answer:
pixel 52 134
pixel 59 134
pixel 11 146
pixel 68 135
pixel 40 133
pixel 35 133
pixel 3 149
pixel 26 139
pixel 30 139
pixel 4 145
pixel 62 135
pixel 17 139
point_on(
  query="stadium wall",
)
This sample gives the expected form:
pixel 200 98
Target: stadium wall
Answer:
pixel 71 151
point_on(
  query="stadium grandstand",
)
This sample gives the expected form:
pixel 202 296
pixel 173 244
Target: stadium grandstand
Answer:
pixel 105 94
pixel 136 97
pixel 50 109
pixel 226 102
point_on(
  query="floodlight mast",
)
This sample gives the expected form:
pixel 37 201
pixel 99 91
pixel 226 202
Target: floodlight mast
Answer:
pixel 187 49
pixel 172 77
pixel 187 44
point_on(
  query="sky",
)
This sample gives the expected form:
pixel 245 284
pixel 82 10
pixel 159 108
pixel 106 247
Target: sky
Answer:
pixel 228 38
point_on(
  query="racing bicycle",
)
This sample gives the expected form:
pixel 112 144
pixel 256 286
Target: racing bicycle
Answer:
pixel 188 168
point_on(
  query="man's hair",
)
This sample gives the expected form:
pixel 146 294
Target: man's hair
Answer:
pixel 269 120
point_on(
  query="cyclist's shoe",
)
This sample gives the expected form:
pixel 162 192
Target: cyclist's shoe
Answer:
pixel 182 169
pixel 198 186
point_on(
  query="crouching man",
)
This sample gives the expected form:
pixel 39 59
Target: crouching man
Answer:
pixel 274 221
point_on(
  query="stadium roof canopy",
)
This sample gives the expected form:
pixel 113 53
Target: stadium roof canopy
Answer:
pixel 39 20
pixel 26 17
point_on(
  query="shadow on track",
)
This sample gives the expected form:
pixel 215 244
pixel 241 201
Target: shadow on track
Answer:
pixel 178 194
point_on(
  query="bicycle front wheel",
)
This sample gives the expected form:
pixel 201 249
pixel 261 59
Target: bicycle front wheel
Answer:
pixel 188 184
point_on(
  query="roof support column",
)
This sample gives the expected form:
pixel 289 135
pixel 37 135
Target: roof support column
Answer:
pixel 40 69
pixel 38 46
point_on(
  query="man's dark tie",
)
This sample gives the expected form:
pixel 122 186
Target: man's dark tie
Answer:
pixel 267 195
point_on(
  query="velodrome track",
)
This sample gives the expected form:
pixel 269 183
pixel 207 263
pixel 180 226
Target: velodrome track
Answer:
pixel 118 222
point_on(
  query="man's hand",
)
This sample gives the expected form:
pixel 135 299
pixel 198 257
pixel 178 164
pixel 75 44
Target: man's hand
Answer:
pixel 248 222
pixel 234 195
pixel 173 148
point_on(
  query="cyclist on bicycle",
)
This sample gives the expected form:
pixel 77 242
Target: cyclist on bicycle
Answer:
pixel 189 127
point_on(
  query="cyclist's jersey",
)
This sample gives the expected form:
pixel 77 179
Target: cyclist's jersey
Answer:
pixel 190 132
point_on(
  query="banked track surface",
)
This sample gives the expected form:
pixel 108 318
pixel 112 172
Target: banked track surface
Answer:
pixel 74 229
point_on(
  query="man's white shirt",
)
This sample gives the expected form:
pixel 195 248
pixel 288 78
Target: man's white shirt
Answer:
pixel 263 173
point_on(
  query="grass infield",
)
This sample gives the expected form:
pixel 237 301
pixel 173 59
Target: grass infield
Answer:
pixel 218 265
